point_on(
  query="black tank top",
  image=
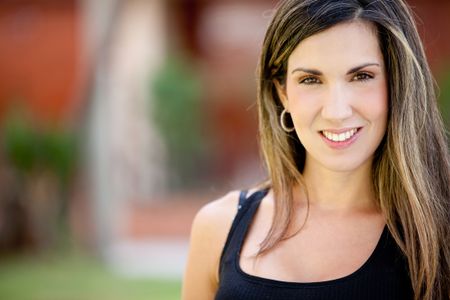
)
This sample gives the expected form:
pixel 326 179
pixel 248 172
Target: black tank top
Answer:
pixel 383 276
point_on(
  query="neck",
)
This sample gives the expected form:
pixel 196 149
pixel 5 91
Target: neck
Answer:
pixel 339 190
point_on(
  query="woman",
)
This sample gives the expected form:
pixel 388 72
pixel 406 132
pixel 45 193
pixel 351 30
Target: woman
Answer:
pixel 357 205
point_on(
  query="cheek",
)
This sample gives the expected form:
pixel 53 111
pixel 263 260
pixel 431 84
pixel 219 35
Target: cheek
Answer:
pixel 303 105
pixel 375 104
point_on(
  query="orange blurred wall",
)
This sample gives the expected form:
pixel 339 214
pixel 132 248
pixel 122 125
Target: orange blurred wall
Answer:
pixel 40 57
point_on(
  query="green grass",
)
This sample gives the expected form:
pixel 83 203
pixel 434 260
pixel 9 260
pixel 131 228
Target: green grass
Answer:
pixel 76 278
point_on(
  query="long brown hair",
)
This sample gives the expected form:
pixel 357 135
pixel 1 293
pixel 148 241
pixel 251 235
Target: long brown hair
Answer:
pixel 411 169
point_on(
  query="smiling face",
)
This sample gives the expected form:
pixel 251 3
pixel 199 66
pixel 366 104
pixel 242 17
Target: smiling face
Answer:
pixel 336 92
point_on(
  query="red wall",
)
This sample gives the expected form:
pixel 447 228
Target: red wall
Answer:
pixel 39 57
pixel 433 22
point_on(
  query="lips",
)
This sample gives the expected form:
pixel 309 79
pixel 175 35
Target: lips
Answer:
pixel 340 139
pixel 341 136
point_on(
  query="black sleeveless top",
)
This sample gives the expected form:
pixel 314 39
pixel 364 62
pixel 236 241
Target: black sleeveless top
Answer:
pixel 383 276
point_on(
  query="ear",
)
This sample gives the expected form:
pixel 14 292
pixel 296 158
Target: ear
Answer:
pixel 281 91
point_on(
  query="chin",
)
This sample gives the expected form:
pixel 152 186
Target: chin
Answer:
pixel 345 165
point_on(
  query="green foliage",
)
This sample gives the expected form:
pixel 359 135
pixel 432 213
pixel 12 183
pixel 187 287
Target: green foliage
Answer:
pixel 176 110
pixel 28 147
pixel 20 142
pixel 59 152
pixel 444 98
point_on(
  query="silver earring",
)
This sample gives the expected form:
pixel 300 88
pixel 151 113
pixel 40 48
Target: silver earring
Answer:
pixel 283 125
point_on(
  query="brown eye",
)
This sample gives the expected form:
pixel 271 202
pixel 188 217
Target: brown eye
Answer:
pixel 362 77
pixel 309 80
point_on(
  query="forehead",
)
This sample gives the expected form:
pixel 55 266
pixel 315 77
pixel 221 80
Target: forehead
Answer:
pixel 340 46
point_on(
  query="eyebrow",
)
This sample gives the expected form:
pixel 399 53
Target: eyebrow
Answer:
pixel 318 73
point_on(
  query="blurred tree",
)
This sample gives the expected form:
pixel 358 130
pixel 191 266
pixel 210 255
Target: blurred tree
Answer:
pixel 444 98
pixel 43 162
pixel 20 142
pixel 176 111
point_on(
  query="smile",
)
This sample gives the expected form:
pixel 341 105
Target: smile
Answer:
pixel 339 137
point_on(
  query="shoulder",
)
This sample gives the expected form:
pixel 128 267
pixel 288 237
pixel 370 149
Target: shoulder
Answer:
pixel 215 218
pixel 217 213
pixel 213 222
pixel 208 236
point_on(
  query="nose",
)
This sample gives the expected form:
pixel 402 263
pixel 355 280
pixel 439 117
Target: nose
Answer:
pixel 336 105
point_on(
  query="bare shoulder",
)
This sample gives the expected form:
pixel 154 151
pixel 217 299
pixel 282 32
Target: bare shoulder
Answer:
pixel 217 213
pixel 213 222
pixel 217 216
pixel 208 236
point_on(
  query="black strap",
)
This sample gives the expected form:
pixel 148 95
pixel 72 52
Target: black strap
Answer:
pixel 245 203
pixel 242 198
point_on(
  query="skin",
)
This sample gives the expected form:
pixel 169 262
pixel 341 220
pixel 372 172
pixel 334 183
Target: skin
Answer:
pixel 344 224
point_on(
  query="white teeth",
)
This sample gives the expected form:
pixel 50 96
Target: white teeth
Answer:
pixel 339 137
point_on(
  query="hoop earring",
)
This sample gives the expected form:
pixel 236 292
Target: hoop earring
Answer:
pixel 283 125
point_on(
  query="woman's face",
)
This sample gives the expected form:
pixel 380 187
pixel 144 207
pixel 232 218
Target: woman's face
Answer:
pixel 336 91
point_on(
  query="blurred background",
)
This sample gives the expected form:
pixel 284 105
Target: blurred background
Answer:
pixel 119 119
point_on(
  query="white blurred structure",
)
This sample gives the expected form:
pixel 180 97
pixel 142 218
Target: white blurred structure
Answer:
pixel 125 45
pixel 162 258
